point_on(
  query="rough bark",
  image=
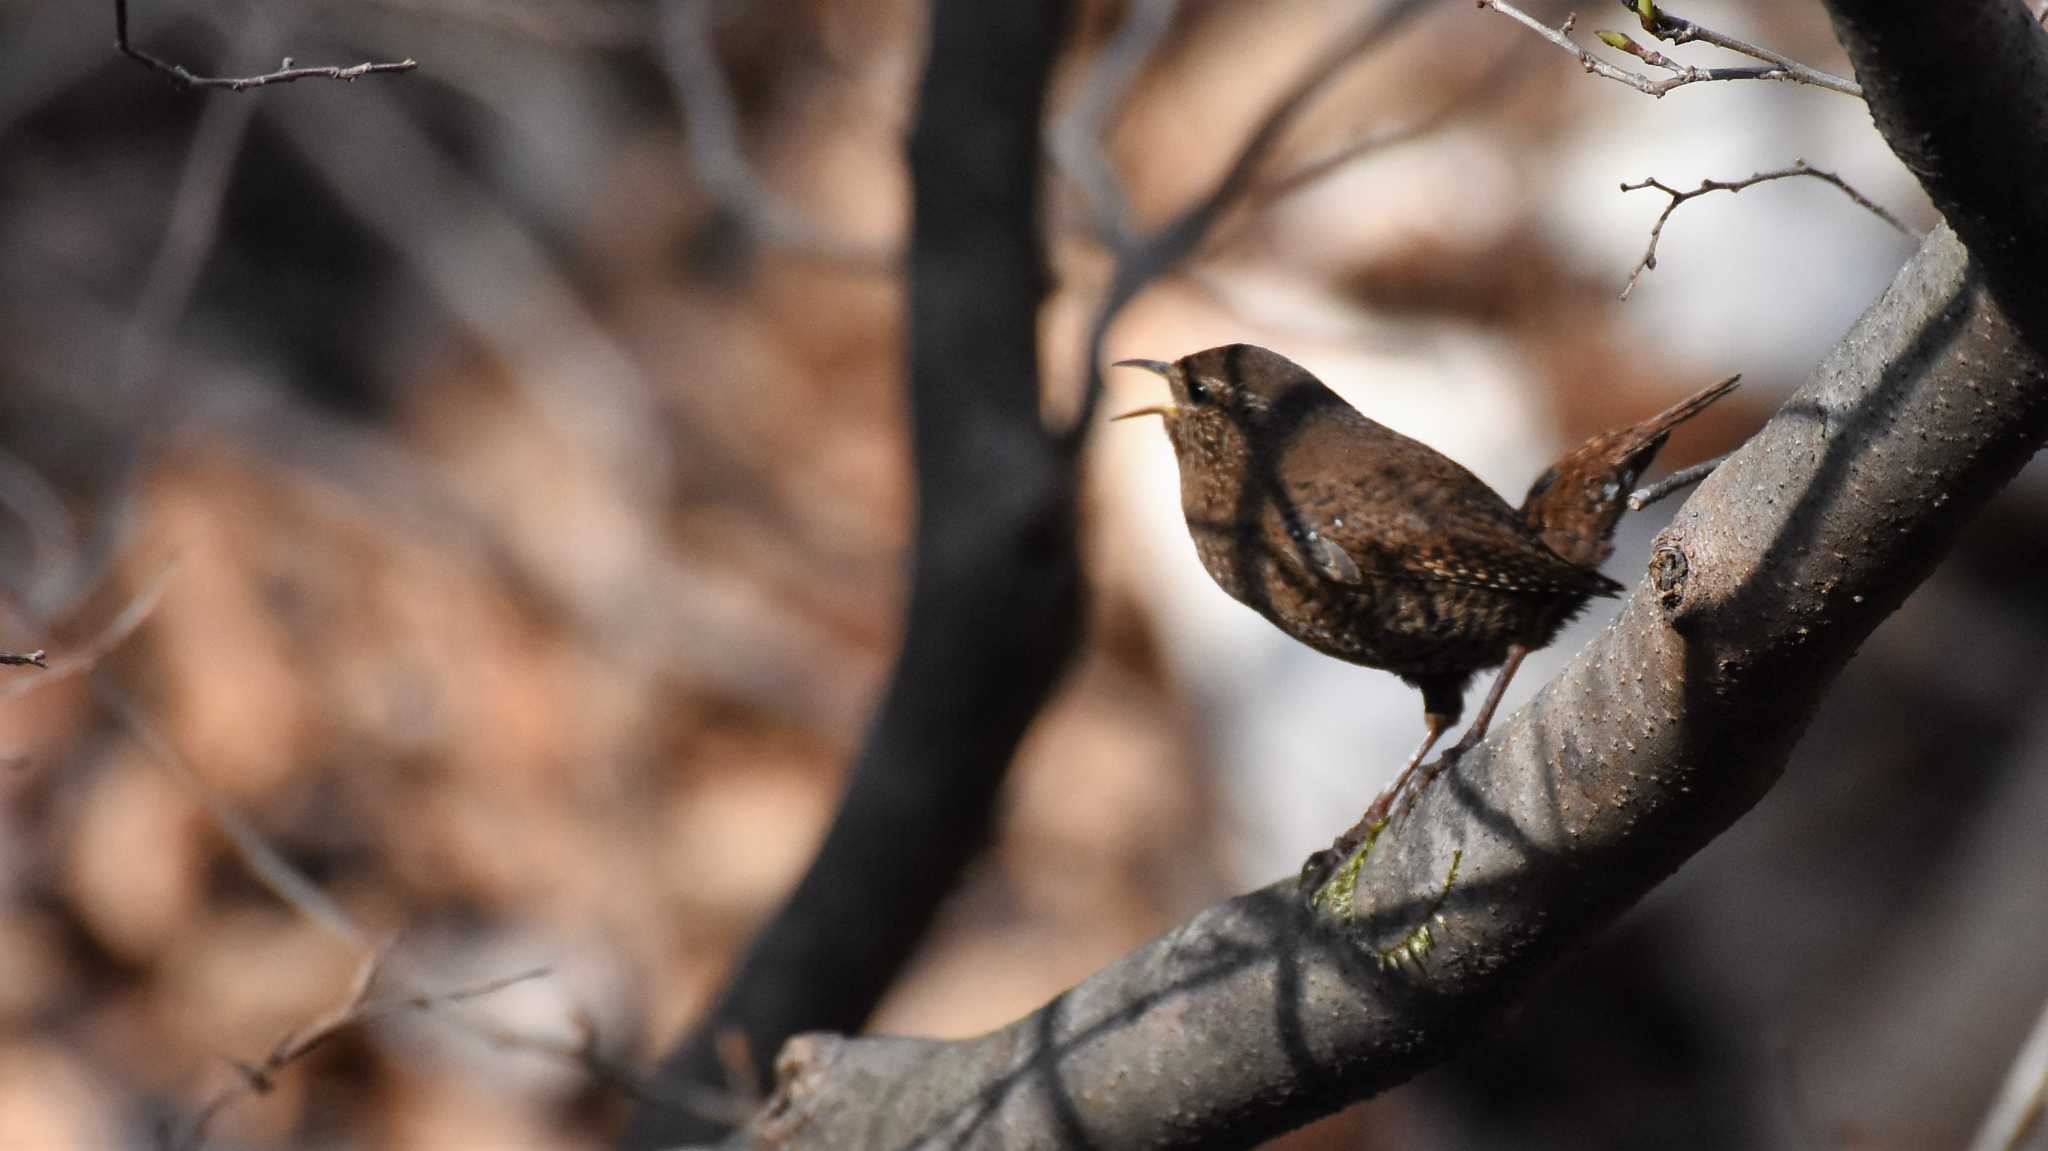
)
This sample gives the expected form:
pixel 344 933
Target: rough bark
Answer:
pixel 1960 92
pixel 994 558
pixel 1262 1013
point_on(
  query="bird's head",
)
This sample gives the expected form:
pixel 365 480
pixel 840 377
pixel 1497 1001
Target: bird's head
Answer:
pixel 1224 394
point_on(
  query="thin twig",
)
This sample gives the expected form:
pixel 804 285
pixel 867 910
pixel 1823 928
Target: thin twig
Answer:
pixel 86 658
pixel 299 892
pixel 717 156
pixel 261 860
pixel 188 240
pixel 1649 494
pixel 260 1078
pixel 1079 140
pixel 1146 257
pixel 283 75
pixel 1673 29
pixel 53 540
pixel 1683 74
pixel 505 286
pixel 1798 168
pixel 1267 193
pixel 24 659
pixel 682 1096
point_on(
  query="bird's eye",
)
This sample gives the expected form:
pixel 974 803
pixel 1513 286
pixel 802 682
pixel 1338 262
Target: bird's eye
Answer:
pixel 1198 391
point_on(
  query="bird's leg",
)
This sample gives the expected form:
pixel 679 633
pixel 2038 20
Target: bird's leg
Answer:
pixel 1477 731
pixel 1473 734
pixel 1320 864
pixel 1377 813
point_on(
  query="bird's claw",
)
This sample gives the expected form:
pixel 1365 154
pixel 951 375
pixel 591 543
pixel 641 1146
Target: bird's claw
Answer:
pixel 1317 868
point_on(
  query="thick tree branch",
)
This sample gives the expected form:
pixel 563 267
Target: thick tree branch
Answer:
pixel 1960 92
pixel 1261 1013
pixel 994 613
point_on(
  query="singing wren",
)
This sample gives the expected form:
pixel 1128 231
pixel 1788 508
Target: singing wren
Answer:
pixel 1378 549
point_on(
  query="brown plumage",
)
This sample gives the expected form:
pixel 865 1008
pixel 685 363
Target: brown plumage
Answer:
pixel 1377 549
pixel 1575 504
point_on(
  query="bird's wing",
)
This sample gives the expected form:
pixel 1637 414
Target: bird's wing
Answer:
pixel 1378 505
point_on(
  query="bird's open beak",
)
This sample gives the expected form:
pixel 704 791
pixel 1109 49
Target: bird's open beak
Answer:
pixel 1152 410
pixel 1158 368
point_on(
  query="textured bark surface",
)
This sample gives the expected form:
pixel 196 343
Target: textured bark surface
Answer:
pixel 1261 1013
pixel 1960 92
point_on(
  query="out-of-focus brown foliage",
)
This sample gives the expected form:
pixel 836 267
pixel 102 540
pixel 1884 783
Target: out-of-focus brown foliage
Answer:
pixel 537 542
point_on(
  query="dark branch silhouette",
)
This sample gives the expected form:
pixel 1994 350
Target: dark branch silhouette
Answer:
pixel 994 613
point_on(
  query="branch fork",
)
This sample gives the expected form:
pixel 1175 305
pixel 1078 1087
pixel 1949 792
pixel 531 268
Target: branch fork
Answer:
pixel 1675 30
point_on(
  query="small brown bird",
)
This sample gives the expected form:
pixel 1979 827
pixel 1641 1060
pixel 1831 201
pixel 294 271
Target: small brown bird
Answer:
pixel 1377 549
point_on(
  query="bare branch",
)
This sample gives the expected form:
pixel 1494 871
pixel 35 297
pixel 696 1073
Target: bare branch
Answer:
pixel 1683 74
pixel 54 545
pixel 586 1051
pixel 712 131
pixel 1659 22
pixel 299 892
pixel 1272 191
pixel 504 286
pixel 1798 168
pixel 188 239
pixel 112 636
pixel 1078 141
pixel 283 75
pixel 1159 251
pixel 260 1078
pixel 1649 494
pixel 261 860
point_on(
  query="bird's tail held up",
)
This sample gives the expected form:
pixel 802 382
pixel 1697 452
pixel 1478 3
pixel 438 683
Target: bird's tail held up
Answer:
pixel 1576 504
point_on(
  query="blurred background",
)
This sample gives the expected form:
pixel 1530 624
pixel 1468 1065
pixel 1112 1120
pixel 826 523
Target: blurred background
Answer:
pixel 491 483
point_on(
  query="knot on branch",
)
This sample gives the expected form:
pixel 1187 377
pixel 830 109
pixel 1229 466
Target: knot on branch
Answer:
pixel 797 1068
pixel 1669 570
